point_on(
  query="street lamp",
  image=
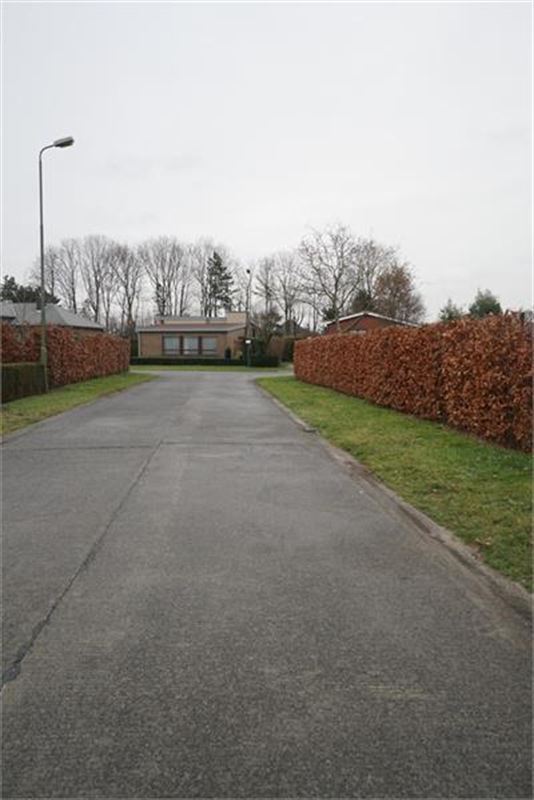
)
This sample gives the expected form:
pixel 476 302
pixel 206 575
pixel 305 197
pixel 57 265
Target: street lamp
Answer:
pixel 66 141
pixel 248 342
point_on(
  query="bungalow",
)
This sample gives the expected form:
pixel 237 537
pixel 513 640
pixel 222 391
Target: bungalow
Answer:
pixel 362 322
pixel 29 314
pixel 183 337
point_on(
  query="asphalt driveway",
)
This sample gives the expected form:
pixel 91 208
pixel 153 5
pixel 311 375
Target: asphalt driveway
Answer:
pixel 200 602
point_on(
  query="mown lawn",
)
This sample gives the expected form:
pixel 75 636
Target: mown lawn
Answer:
pixel 479 491
pixel 20 413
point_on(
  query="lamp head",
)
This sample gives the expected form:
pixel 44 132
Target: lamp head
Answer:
pixel 67 141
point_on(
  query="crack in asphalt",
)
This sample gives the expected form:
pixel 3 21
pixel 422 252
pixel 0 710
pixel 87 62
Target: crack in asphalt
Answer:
pixel 236 442
pixel 13 670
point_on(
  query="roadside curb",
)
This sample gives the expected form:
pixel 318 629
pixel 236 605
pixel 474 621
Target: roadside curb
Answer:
pixel 512 593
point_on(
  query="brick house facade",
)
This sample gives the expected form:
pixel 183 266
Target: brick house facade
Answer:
pixel 194 337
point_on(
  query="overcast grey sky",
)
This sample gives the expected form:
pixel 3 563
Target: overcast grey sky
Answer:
pixel 251 122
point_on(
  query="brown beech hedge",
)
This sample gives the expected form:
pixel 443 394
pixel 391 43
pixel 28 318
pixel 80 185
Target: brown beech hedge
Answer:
pixel 72 357
pixel 475 375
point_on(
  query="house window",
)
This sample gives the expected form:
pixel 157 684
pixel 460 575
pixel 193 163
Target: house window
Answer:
pixel 190 345
pixel 171 345
pixel 209 345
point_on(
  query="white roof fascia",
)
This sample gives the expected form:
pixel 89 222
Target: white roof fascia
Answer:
pixel 180 329
pixel 372 314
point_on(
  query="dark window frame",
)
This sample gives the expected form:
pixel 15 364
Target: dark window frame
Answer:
pixel 185 353
pixel 209 352
pixel 180 351
pixel 166 352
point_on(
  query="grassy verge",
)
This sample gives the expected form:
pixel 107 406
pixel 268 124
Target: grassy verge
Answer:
pixel 20 413
pixel 205 368
pixel 479 491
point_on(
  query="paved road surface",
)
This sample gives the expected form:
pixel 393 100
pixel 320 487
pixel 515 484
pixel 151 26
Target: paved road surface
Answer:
pixel 200 602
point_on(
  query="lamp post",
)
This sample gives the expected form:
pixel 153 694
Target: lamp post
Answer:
pixel 67 141
pixel 247 309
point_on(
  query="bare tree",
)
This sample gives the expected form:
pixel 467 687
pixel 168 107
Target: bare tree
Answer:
pixel 183 289
pixel 313 302
pixel 265 280
pixel 62 271
pixel 371 260
pixel 243 277
pixel 110 286
pixel 198 257
pixel 169 273
pixel 384 283
pixel 128 275
pixel 51 266
pixel 288 290
pixel 95 266
pixel 69 272
pixel 278 284
pixel 328 272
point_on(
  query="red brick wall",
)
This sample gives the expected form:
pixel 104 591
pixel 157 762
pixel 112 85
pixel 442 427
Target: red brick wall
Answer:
pixel 372 324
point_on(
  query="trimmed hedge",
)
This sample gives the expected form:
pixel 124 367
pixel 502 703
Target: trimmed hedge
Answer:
pixel 178 362
pixel 264 361
pixel 19 344
pixel 22 380
pixel 255 361
pixel 475 375
pixel 72 356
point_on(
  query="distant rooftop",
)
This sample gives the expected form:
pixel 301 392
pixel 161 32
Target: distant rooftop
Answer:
pixel 233 320
pixel 29 314
pixel 348 322
pixel 7 310
pixel 377 316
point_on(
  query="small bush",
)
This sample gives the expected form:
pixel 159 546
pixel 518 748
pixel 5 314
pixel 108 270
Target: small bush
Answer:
pixel 288 349
pixel 264 361
pixel 21 380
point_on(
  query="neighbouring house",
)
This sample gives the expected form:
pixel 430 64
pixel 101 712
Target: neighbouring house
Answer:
pixel 194 337
pixel 362 322
pixel 29 314
pixel 7 312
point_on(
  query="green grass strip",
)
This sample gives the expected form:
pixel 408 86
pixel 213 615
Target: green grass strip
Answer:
pixel 481 492
pixel 20 413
